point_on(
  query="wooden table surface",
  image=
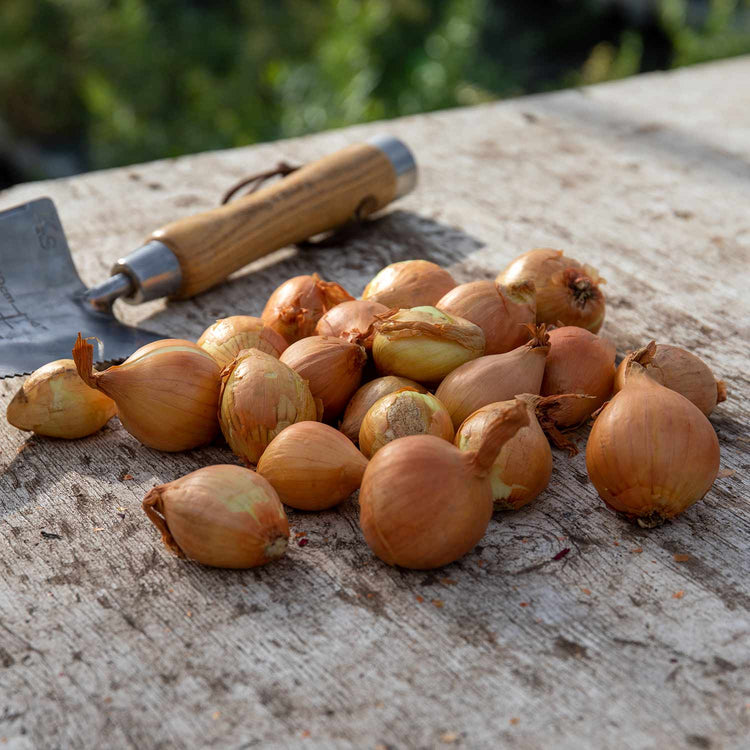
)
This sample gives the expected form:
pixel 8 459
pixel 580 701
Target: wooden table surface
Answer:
pixel 108 641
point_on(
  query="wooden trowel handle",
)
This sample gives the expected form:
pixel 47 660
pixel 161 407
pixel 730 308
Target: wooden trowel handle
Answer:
pixel 320 196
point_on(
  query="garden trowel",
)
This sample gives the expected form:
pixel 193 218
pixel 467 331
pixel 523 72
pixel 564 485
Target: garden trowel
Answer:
pixel 44 304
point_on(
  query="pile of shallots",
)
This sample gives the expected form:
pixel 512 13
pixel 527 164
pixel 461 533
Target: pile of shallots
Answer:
pixel 436 401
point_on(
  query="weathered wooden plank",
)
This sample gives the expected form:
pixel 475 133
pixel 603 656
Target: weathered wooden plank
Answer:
pixel 105 640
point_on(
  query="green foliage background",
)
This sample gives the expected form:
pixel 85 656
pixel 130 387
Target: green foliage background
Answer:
pixel 113 82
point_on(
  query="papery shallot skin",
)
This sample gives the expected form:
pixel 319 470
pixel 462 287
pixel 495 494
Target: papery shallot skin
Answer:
pixel 567 291
pixel 223 516
pixel 312 466
pixel 578 362
pixel 651 453
pixel 424 503
pixel 366 396
pixel 502 312
pixel 294 308
pixel 259 397
pixel 409 283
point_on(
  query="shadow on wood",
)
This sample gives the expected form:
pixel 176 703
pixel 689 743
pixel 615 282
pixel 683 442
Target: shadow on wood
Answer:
pixel 350 257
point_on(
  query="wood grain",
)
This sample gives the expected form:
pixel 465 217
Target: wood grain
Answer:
pixel 618 642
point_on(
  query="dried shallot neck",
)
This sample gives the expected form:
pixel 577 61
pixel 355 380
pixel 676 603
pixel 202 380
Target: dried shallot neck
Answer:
pixel 546 409
pixel 539 335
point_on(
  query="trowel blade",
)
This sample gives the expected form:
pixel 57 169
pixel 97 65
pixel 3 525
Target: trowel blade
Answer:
pixel 42 305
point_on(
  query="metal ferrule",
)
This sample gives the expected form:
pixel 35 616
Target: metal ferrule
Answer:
pixel 402 160
pixel 153 271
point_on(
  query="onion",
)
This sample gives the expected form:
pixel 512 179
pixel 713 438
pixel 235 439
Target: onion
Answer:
pixel 578 362
pixel 332 368
pixel 227 337
pixel 497 377
pixel 366 396
pixel 259 397
pixel 55 402
pixel 312 466
pixel 351 321
pixel 223 516
pixel 424 503
pixel 523 467
pixel 294 308
pixel 410 283
pixel 402 413
pixel 166 392
pixel 651 453
pixel 678 370
pixel 424 344
pixel 502 312
pixel 567 291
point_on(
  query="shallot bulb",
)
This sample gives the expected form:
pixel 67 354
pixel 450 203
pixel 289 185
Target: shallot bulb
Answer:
pixel 410 283
pixel 496 377
pixel 578 362
pixel 502 312
pixel 312 466
pixel 366 396
pixel 55 402
pixel 332 368
pixel 259 397
pixel 566 291
pixel 227 337
pixel 294 308
pixel 402 413
pixel 424 503
pixel 224 516
pixel 424 344
pixel 166 392
pixel 679 370
pixel 351 321
pixel 523 467
pixel 651 453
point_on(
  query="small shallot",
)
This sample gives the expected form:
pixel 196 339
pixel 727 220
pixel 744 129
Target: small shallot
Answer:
pixel 294 308
pixel 332 368
pixel 409 283
pixel 495 377
pixel 523 467
pixel 404 412
pixel 651 453
pixel 566 291
pixel 424 503
pixel 424 344
pixel 312 466
pixel 223 516
pixel 227 337
pixel 166 392
pixel 366 396
pixel 578 362
pixel 351 321
pixel 502 312
pixel 679 370
pixel 259 397
pixel 55 402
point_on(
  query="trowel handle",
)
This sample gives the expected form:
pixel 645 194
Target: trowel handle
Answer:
pixel 320 196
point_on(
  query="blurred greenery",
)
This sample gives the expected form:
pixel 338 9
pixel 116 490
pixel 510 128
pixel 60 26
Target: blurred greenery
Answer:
pixel 86 84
